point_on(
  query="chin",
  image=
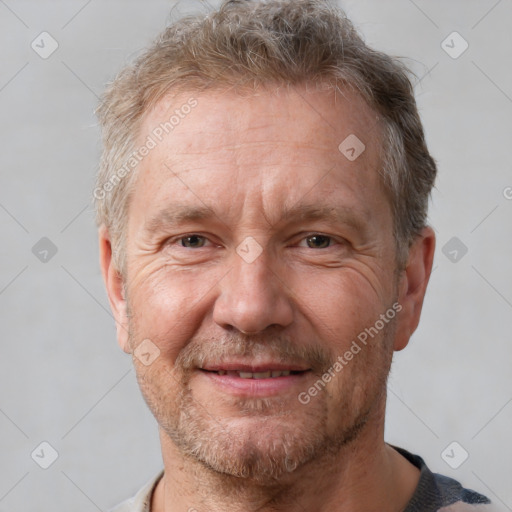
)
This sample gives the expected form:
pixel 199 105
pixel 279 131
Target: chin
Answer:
pixel 263 443
pixel 263 455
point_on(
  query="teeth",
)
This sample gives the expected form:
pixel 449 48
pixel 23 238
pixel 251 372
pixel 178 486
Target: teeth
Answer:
pixel 255 375
pixel 261 375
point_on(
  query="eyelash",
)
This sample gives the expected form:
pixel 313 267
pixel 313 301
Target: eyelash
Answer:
pixel 332 240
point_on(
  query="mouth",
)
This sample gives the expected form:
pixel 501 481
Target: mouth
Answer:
pixel 267 374
pixel 256 380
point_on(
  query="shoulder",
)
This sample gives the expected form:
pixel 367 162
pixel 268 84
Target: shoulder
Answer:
pixel 456 498
pixel 465 507
pixel 142 500
pixel 437 492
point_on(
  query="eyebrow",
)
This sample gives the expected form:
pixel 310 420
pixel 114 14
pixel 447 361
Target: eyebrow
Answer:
pixel 303 212
pixel 177 214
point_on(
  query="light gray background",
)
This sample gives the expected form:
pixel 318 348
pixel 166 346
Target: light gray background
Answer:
pixel 63 378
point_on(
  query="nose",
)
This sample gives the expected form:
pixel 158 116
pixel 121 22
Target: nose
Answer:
pixel 253 297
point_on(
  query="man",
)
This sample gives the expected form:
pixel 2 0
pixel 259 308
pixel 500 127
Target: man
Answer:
pixel 262 206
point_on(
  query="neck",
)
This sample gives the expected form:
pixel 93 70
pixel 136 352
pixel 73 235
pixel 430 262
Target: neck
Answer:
pixel 365 474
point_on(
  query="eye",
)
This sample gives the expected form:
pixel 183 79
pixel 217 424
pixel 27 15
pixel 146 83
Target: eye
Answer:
pixel 193 241
pixel 318 241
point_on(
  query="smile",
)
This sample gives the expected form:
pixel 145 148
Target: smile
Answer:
pixel 257 380
pixel 269 374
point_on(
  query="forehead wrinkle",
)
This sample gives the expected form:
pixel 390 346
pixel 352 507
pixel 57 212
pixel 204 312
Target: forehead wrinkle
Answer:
pixel 303 212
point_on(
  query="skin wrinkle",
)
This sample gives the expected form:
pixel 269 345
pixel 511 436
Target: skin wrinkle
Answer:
pixel 272 453
pixel 168 102
pixel 180 214
pixel 279 491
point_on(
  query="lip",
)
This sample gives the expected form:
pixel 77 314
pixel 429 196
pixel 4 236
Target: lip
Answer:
pixel 240 387
pixel 254 368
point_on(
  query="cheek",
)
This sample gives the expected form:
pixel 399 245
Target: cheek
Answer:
pixel 160 387
pixel 167 306
pixel 340 305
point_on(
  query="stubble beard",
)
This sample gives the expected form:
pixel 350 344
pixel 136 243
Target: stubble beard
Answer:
pixel 280 437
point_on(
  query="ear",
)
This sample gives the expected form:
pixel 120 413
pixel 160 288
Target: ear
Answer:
pixel 413 284
pixel 115 289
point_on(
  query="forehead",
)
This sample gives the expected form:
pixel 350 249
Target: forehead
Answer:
pixel 269 147
pixel 310 114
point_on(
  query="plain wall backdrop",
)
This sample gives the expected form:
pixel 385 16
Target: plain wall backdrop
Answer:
pixel 64 380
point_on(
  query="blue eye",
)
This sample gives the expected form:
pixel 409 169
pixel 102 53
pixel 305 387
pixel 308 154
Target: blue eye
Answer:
pixel 193 241
pixel 318 241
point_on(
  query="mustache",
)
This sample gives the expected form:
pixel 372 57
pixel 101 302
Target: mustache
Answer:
pixel 279 348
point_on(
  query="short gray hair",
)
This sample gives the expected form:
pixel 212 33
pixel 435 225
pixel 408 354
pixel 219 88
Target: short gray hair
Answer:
pixel 266 42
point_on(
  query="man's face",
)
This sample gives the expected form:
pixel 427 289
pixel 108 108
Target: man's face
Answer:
pixel 256 247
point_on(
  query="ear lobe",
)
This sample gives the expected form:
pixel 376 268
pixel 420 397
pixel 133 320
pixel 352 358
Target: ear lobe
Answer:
pixel 115 289
pixel 413 285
